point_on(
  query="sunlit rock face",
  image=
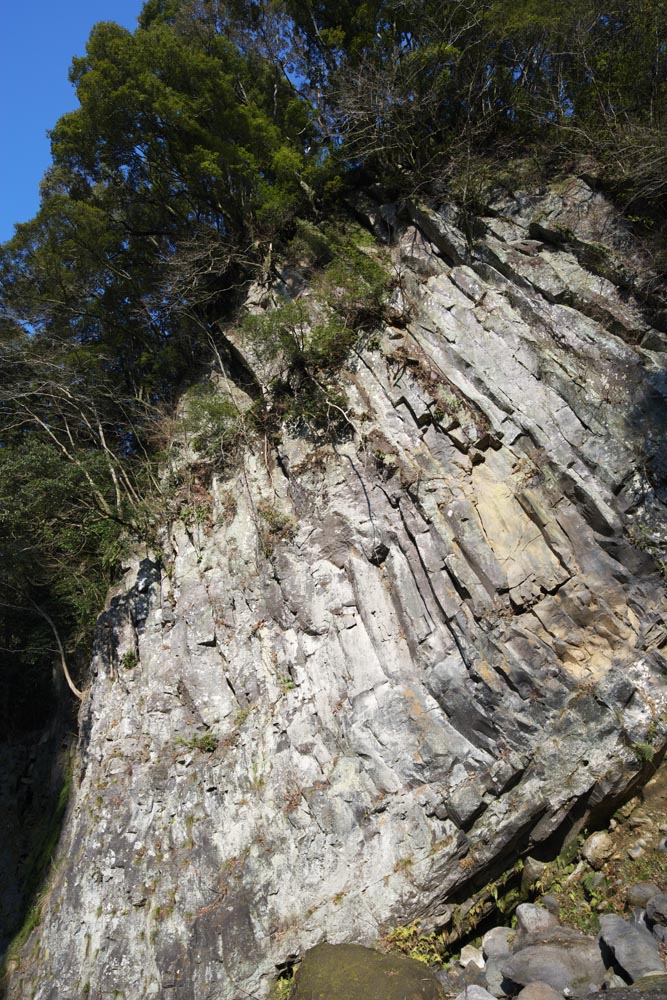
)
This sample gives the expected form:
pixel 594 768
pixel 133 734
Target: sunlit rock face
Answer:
pixel 418 652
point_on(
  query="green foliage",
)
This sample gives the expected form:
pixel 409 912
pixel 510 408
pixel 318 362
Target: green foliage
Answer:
pixel 315 407
pixel 409 940
pixel 501 896
pixel 196 513
pixel 129 660
pixel 644 752
pixel 282 331
pixel 355 282
pixel 282 986
pixel 206 743
pixel 649 867
pixel 287 333
pixel 188 153
pixel 311 337
pixel 648 540
pixel 55 543
pixel 211 142
pixel 582 895
pixel 350 285
pixel 233 152
pixel 310 244
pixel 422 92
pixel 285 683
pixel 212 422
pixel 241 716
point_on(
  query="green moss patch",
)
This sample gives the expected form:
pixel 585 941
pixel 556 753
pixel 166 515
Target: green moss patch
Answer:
pixel 350 972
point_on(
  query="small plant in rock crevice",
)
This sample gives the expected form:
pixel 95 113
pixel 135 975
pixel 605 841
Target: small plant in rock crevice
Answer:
pixel 206 743
pixel 641 537
pixel 644 752
pixel 285 683
pixel 129 660
pixel 196 514
pixel 410 940
pixel 293 798
pixel 282 986
pixel 275 525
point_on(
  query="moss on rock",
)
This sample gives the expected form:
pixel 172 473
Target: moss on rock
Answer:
pixel 351 972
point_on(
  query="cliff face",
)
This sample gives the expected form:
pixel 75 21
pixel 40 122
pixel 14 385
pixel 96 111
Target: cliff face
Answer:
pixel 421 651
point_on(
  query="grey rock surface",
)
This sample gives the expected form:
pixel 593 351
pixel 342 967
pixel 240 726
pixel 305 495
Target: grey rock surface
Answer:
pixel 471 954
pixel 656 908
pixel 475 993
pixel 493 975
pixel 613 981
pixel 539 991
pixel 445 660
pixel 641 893
pixel 650 988
pixel 634 949
pixel 532 922
pixel 574 964
pixel 497 942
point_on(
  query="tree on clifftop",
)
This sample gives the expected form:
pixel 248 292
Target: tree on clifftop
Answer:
pixel 204 142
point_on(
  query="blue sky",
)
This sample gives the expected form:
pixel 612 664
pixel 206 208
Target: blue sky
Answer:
pixel 38 39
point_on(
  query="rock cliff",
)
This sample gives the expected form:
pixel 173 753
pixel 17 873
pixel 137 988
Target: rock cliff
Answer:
pixel 381 670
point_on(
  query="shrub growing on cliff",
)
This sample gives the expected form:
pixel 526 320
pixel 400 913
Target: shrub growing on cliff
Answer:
pixel 212 422
pixel 205 145
pixel 309 338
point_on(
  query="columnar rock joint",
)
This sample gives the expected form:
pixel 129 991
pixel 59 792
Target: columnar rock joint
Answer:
pixel 450 659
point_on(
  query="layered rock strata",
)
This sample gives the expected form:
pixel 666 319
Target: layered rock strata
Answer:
pixel 418 652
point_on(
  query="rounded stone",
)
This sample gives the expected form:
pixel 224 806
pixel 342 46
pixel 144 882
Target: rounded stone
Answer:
pixel 632 947
pixel 639 894
pixel 471 954
pixel 652 988
pixel 539 991
pixel 352 972
pixel 496 942
pixel 493 974
pixel 534 921
pixel 571 964
pixel 598 848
